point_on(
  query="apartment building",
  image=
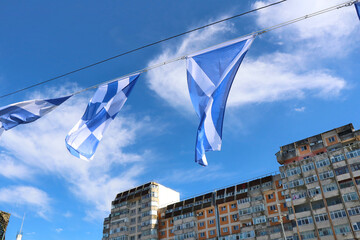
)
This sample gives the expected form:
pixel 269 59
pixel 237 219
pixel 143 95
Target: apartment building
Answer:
pixel 314 196
pixel 134 212
pixel 320 176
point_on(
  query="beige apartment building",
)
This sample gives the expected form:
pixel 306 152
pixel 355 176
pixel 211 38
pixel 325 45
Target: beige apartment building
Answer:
pixel 314 196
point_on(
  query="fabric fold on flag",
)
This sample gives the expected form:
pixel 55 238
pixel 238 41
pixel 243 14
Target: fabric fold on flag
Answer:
pixel 210 74
pixel 27 112
pixel 357 7
pixel 83 139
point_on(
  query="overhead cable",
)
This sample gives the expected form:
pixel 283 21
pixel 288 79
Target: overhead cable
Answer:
pixel 139 48
pixel 259 32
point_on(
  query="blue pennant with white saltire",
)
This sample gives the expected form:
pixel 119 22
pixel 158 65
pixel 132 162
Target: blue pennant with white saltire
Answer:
pixel 27 112
pixel 210 74
pixel 82 141
pixel 357 7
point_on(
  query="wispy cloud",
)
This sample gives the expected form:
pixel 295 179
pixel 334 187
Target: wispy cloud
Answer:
pixel 43 150
pixel 273 76
pixel 300 109
pixel 59 230
pixel 329 34
pixel 35 199
pixel 11 169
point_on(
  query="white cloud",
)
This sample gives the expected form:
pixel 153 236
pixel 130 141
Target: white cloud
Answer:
pixel 332 33
pixel 59 230
pixel 11 169
pixel 43 149
pixel 300 109
pixel 33 198
pixel 274 76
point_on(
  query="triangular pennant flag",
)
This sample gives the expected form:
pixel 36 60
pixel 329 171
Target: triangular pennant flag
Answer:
pixel 210 74
pixel 82 141
pixel 357 7
pixel 27 112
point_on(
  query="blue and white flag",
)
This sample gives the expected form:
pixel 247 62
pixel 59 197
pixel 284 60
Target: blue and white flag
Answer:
pixel 210 74
pixel 27 112
pixel 357 7
pixel 85 136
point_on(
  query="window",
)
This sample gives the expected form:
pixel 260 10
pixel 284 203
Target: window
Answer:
pixel 270 196
pixel 212 232
pixel 350 197
pixel 307 235
pixel 331 139
pixel 354 211
pixel 324 232
pixel 355 167
pixel 273 208
pixel 172 221
pixel 326 175
pixel 314 191
pixel 202 234
pixel 308 167
pixel 258 220
pixel 236 228
pixel 304 221
pixel 234 217
pixel 295 183
pixel 321 217
pixel 346 184
pixel 330 187
pixel 303 148
pixel 311 179
pixel 244 211
pixel 225 229
pixel 244 200
pixel 132 220
pixel 337 158
pixel 338 214
pixel 341 170
pixel 211 222
pixel 233 205
pixel 322 163
pixel 201 224
pixel 298 195
pixel 210 211
pixel 223 219
pixel 342 229
pixel 353 154
pixel 162 233
pixel 293 171
pixel 356 226
pixel 258 208
pixel 223 208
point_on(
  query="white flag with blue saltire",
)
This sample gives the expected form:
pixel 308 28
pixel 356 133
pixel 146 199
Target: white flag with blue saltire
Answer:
pixel 210 74
pixel 27 112
pixel 357 7
pixel 82 141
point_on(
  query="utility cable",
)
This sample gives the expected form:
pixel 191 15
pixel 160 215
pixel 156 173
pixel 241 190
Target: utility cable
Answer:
pixel 139 48
pixel 256 33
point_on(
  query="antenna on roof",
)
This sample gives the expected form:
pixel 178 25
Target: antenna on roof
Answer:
pixel 19 235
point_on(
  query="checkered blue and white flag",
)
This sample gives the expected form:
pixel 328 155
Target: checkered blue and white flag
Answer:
pixel 27 112
pixel 357 7
pixel 210 74
pixel 108 100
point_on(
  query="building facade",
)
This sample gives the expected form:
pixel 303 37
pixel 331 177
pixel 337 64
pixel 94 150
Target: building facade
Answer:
pixel 314 196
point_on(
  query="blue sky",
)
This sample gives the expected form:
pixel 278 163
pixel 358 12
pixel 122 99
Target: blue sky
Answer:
pixel 295 82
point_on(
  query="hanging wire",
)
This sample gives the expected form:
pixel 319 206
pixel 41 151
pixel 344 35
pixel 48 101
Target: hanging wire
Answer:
pixel 256 33
pixel 139 48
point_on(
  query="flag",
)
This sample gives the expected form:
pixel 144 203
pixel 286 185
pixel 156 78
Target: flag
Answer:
pixel 27 112
pixel 108 100
pixel 357 7
pixel 210 74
